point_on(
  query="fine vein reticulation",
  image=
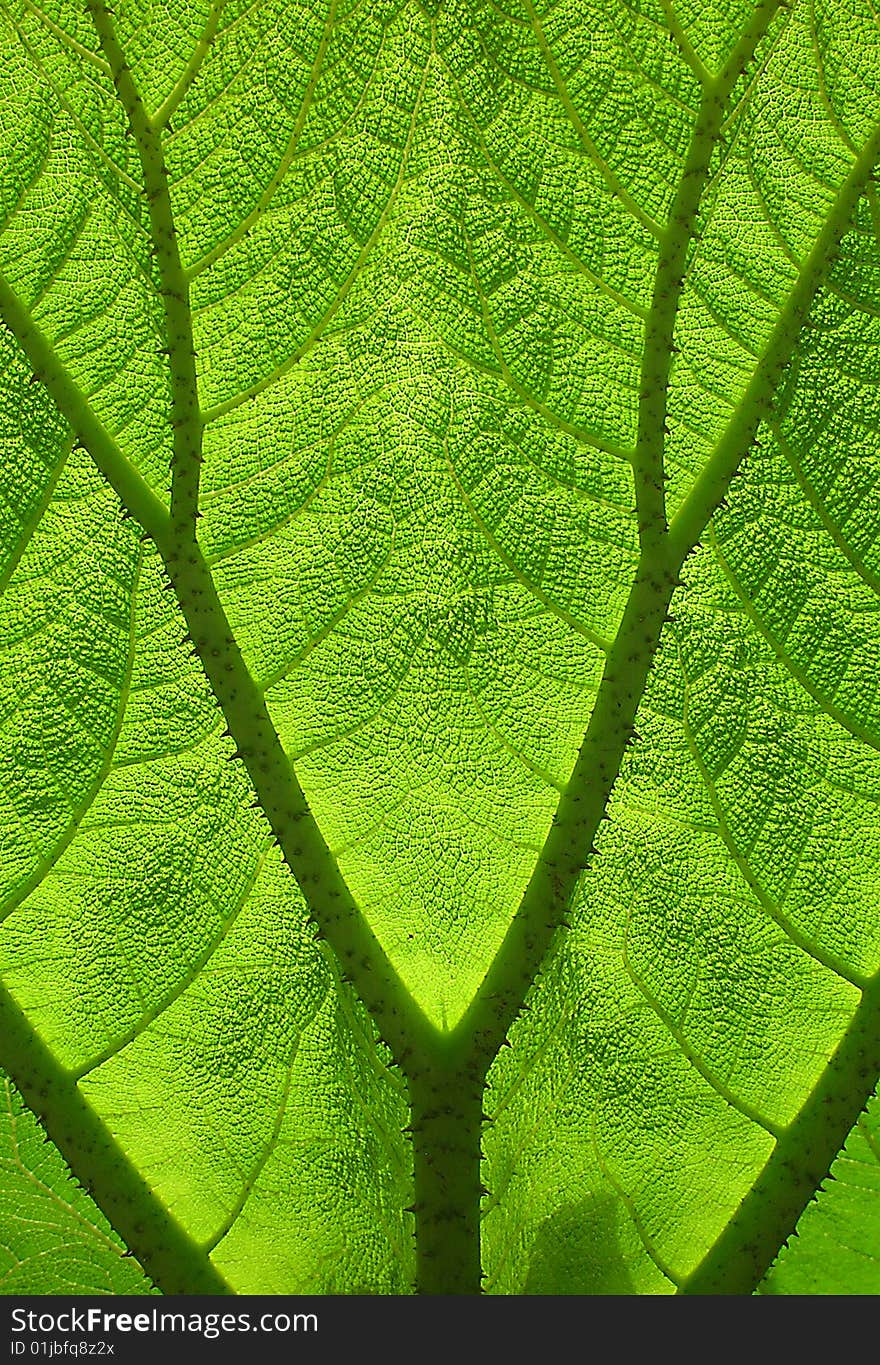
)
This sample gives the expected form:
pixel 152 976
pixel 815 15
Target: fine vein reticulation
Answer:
pixel 394 271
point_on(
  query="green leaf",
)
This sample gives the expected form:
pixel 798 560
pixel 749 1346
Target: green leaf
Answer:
pixel 55 1241
pixel 440 611
pixel 835 1250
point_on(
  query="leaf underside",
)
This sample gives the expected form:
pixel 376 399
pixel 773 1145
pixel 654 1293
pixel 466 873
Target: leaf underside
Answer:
pixel 836 1249
pixel 420 248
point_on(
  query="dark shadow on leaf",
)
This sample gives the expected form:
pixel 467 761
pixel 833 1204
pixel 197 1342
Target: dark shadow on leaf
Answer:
pixel 576 1251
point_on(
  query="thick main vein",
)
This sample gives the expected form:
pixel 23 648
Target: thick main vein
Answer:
pixel 799 1162
pixel 186 422
pixel 164 1248
pixel 163 114
pixel 568 845
pixel 675 242
pixel 756 404
pixel 400 1021
pixel 566 850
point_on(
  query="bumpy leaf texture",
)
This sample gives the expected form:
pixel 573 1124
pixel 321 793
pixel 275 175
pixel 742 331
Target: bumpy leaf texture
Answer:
pixel 54 1239
pixel 421 244
pixel 836 1249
